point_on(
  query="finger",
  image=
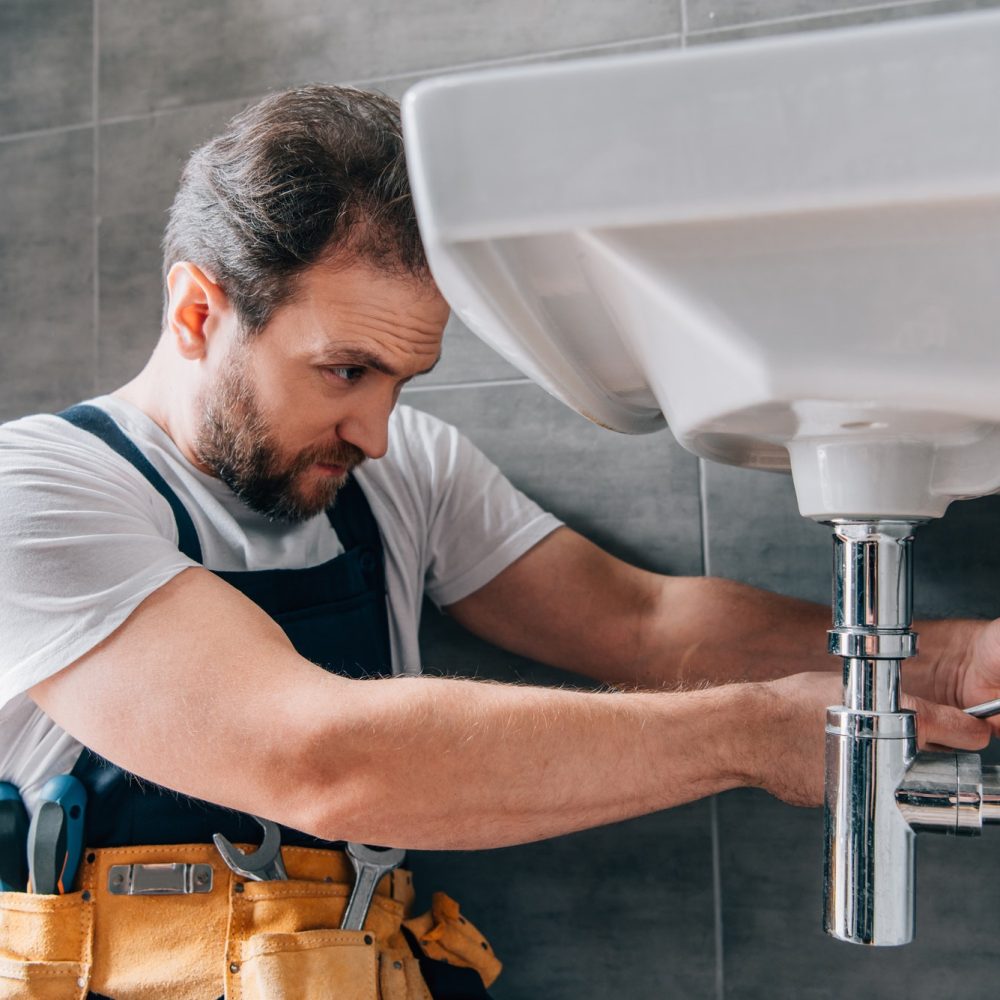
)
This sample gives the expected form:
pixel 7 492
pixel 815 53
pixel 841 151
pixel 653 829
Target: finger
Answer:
pixel 948 726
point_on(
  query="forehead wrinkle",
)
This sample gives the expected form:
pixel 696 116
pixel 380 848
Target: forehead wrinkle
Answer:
pixel 379 337
pixel 387 321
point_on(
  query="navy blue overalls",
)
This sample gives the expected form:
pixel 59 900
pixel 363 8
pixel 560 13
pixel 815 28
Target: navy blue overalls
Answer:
pixel 335 615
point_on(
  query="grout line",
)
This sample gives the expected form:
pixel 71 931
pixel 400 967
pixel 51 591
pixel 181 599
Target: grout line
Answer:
pixel 716 835
pixel 685 34
pixel 527 57
pixel 36 133
pixel 480 384
pixel 96 194
pixel 417 74
pixel 818 16
pixel 720 969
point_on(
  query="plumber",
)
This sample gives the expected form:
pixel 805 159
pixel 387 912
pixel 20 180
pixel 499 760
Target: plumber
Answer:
pixel 210 588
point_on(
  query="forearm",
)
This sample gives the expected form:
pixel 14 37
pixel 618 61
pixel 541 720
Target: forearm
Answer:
pixel 447 764
pixel 710 630
pixel 714 630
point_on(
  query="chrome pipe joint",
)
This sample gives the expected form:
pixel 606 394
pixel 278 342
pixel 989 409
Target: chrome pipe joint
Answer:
pixel 879 790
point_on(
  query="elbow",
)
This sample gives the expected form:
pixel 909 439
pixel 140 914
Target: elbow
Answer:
pixel 340 776
pixel 356 805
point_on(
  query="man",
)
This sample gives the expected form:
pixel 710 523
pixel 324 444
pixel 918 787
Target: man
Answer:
pixel 179 556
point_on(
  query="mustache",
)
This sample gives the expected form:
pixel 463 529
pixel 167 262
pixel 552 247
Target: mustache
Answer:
pixel 348 455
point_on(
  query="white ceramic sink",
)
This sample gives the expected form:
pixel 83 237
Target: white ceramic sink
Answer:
pixel 788 248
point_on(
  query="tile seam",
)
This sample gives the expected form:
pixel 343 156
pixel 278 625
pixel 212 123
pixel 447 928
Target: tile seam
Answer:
pixel 817 17
pixel 416 74
pixel 42 132
pixel 720 965
pixel 715 832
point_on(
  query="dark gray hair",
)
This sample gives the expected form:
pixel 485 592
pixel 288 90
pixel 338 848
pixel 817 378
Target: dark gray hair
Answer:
pixel 315 174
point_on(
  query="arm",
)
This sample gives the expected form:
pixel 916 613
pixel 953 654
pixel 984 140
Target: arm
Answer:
pixel 570 604
pixel 222 707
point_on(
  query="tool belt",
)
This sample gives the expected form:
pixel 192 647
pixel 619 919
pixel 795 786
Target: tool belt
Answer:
pixel 165 922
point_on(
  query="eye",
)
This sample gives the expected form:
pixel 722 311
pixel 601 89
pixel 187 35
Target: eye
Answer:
pixel 348 373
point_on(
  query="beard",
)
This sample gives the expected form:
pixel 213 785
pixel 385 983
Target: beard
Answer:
pixel 238 445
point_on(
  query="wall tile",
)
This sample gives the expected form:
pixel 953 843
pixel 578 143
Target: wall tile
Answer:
pixel 140 166
pixel 46 64
pixel 806 15
pixel 396 86
pixel 622 908
pixel 131 296
pixel 46 272
pixel 774 945
pixel 141 161
pixel 756 534
pixel 148 60
pixel 579 916
pixel 635 495
pixel 956 562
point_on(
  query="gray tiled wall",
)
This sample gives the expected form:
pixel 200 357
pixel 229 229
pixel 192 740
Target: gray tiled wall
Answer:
pixel 100 100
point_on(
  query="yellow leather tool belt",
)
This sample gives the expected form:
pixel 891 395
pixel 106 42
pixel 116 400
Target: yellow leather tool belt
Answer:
pixel 167 922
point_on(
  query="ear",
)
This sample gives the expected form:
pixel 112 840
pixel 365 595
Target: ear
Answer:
pixel 195 305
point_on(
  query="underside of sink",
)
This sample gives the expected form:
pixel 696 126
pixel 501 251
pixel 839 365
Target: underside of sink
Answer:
pixel 788 248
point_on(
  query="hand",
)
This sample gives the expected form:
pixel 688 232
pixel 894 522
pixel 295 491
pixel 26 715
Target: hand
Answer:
pixel 793 737
pixel 974 668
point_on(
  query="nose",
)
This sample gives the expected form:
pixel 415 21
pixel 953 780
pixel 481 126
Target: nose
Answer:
pixel 367 425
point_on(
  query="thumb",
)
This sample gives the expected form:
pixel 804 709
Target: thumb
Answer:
pixel 946 726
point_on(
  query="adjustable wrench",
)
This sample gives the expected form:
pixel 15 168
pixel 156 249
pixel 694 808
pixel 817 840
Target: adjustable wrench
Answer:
pixel 370 864
pixel 261 865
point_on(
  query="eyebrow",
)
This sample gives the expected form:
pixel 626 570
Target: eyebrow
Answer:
pixel 350 356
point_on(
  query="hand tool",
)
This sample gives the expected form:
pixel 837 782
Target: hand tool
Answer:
pixel 69 792
pixel 47 848
pixel 261 865
pixel 370 864
pixel 986 710
pixel 13 840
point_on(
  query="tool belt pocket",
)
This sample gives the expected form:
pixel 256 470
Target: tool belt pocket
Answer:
pixel 310 965
pixel 45 945
pixel 284 942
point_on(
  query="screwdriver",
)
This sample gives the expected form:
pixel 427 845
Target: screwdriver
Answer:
pixel 47 848
pixel 13 840
pixel 69 793
pixel 986 710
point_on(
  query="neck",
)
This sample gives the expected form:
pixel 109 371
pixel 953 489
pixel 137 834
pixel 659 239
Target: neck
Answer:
pixel 162 391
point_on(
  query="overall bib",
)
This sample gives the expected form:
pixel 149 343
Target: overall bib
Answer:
pixel 273 939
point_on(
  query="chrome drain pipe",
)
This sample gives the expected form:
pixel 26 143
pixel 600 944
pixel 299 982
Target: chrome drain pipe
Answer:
pixel 879 790
pixel 870 743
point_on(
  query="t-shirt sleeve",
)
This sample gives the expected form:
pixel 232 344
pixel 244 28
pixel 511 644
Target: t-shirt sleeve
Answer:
pixel 84 540
pixel 478 523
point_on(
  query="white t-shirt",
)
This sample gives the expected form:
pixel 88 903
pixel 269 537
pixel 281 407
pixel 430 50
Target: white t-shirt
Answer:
pixel 85 538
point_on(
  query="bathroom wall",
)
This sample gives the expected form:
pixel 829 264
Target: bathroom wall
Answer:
pixel 100 100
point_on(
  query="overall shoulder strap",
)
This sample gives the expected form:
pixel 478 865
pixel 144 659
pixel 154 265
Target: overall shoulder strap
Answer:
pixel 352 518
pixel 101 425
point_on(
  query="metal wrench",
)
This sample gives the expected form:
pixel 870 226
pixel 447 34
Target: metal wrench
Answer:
pixel 261 865
pixel 370 864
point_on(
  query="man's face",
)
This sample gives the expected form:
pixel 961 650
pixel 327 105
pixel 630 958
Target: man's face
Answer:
pixel 294 408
